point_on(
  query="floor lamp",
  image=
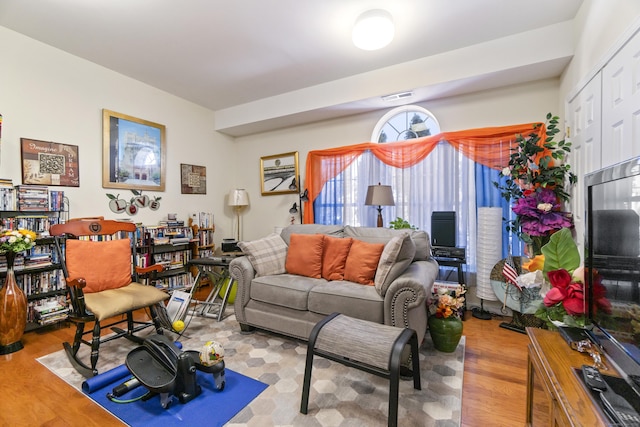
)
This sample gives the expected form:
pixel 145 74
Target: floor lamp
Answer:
pixel 302 197
pixel 379 195
pixel 238 199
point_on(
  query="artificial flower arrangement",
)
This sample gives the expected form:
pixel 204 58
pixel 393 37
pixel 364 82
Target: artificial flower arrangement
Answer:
pixel 563 303
pixel 535 181
pixel 447 303
pixel 16 240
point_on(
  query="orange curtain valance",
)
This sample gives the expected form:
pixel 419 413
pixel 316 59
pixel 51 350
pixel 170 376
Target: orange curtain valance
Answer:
pixel 489 146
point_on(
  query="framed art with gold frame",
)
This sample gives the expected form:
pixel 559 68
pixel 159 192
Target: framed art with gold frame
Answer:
pixel 278 174
pixel 133 153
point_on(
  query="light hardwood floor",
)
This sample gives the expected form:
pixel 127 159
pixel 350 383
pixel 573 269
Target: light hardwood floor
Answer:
pixel 493 395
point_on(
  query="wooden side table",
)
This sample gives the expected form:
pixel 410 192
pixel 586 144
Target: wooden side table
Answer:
pixel 555 394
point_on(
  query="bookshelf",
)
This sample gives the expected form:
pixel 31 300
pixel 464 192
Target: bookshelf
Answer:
pixel 170 246
pixel 38 271
pixel 203 245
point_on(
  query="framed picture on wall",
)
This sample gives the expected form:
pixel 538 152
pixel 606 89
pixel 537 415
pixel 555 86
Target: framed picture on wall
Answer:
pixel 133 153
pixel 49 163
pixel 279 174
pixel 193 179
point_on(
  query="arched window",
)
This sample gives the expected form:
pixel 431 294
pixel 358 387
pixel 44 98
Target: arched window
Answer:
pixel 406 122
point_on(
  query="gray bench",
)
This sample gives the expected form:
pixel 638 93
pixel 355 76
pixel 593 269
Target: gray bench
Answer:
pixel 363 345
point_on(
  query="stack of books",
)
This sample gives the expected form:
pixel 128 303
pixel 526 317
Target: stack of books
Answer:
pixel 47 314
pixel 32 197
pixel 56 201
pixel 7 195
pixel 204 219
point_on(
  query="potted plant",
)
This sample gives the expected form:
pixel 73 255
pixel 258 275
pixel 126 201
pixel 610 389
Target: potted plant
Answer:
pixel 399 224
pixel 445 318
pixel 536 177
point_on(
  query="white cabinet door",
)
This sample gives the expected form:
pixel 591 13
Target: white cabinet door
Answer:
pixel 621 105
pixel 584 130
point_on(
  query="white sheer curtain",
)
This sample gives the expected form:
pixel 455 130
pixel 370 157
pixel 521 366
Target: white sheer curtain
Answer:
pixel 444 181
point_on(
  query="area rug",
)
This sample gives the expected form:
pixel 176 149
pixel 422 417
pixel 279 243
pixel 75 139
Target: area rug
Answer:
pixel 340 396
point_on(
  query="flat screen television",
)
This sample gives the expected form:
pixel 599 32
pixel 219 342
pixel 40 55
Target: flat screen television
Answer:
pixel 612 248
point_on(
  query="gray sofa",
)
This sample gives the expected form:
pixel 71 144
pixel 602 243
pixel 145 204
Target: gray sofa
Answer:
pixel 292 304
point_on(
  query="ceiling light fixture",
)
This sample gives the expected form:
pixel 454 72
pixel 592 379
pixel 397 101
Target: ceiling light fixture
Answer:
pixel 373 30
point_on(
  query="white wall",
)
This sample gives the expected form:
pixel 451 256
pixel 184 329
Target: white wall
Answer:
pixel 49 95
pixel 599 27
pixel 505 106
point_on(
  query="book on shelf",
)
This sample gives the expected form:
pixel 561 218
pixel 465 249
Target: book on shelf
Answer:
pixel 7 195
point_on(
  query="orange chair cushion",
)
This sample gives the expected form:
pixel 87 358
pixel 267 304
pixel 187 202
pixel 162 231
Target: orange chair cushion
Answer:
pixel 334 257
pixel 362 262
pixel 104 265
pixel 304 256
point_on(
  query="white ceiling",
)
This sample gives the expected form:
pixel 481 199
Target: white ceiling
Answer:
pixel 264 64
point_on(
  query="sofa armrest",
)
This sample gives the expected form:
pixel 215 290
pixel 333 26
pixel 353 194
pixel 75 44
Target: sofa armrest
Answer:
pixel 405 300
pixel 243 273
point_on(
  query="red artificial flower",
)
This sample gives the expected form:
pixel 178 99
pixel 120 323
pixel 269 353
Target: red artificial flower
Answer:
pixel 570 294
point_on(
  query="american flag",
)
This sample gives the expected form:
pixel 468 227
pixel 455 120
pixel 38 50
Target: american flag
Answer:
pixel 509 271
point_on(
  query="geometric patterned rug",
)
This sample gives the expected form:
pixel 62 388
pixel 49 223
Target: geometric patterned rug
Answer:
pixel 340 396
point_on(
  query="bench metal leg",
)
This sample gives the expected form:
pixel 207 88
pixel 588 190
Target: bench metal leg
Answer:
pixel 311 345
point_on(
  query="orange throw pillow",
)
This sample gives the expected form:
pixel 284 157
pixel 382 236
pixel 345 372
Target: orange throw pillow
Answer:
pixel 334 257
pixel 304 256
pixel 104 265
pixel 362 262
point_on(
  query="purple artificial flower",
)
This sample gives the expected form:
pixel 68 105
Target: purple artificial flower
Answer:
pixel 539 213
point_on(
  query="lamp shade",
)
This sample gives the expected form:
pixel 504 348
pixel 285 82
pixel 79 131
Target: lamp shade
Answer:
pixel 379 195
pixel 238 197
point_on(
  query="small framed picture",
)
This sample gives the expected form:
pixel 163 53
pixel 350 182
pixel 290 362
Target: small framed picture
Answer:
pixel 49 163
pixel 193 179
pixel 133 153
pixel 279 174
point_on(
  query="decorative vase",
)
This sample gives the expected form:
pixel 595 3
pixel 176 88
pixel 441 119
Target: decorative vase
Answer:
pixel 13 311
pixel 445 333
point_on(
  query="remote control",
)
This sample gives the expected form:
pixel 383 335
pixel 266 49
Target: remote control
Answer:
pixel 593 378
pixel 619 410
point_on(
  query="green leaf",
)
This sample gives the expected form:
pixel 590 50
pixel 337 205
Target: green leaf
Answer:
pixel 561 252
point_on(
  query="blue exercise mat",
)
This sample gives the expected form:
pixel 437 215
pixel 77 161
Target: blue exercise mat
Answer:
pixel 212 407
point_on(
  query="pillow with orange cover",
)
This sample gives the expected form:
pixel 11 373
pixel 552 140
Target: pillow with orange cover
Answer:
pixel 362 262
pixel 104 265
pixel 304 256
pixel 334 257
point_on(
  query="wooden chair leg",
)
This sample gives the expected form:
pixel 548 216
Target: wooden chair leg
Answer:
pixel 155 317
pixel 95 346
pixel 130 324
pixel 77 339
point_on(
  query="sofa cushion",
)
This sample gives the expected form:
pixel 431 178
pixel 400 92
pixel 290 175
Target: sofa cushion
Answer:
pixel 286 290
pixel 395 258
pixel 351 299
pixel 362 262
pixel 328 230
pixel 334 257
pixel 304 256
pixel 383 235
pixel 267 255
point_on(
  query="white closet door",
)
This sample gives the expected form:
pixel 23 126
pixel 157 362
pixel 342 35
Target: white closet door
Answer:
pixel 621 105
pixel 584 130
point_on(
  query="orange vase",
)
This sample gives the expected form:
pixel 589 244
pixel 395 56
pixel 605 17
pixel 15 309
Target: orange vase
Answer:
pixel 13 311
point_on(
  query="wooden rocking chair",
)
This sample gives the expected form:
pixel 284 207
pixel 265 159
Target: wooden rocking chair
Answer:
pixel 102 285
